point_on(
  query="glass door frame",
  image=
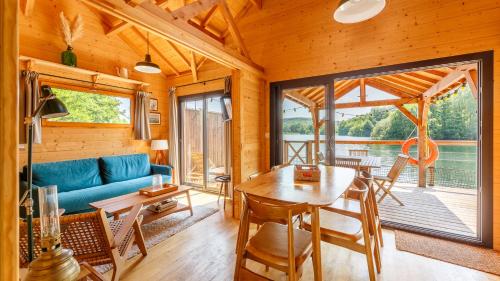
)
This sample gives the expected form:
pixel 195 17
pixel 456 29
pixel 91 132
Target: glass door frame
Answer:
pixel 196 97
pixel 485 125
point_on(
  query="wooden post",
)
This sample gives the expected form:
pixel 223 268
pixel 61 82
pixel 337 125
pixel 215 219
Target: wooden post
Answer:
pixel 316 124
pixel 423 110
pixel 285 151
pixel 309 152
pixel 9 139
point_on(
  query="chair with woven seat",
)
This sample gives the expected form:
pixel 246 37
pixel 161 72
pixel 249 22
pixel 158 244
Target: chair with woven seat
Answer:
pixel 349 225
pixel 391 178
pixel 358 152
pixel 346 162
pixel 93 238
pixel 280 246
pixel 224 181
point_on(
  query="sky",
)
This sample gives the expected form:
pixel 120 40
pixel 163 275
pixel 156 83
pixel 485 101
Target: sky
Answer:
pixel 293 109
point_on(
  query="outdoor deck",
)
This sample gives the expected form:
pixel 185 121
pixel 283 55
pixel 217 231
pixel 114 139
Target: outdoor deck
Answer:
pixel 453 210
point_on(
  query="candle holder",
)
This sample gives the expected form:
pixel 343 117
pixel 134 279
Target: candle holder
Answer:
pixel 54 263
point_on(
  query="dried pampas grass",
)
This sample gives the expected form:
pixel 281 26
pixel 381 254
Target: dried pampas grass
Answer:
pixel 71 32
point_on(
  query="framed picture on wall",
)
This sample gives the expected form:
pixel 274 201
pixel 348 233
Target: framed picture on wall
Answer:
pixel 154 118
pixel 153 105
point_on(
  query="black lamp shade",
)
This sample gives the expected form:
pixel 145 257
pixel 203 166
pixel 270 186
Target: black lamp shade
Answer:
pixel 54 108
pixel 147 66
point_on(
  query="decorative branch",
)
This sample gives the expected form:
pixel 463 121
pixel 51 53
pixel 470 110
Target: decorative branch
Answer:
pixel 71 32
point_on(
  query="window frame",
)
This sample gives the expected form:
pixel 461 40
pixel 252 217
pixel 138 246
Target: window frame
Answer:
pixel 97 91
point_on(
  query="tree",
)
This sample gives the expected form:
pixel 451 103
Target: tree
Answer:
pixel 93 108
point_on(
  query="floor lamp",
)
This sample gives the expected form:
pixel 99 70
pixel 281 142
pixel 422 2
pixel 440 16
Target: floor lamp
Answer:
pixel 49 107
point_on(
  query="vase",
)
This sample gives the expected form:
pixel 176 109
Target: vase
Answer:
pixel 68 57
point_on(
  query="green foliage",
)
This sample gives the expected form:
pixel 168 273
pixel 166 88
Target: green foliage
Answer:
pixel 452 119
pixel 93 108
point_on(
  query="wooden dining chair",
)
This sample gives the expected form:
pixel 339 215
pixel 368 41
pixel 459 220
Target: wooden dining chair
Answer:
pixel 350 228
pixel 93 238
pixel 280 246
pixel 350 205
pixel 386 183
pixel 353 163
pixel 358 152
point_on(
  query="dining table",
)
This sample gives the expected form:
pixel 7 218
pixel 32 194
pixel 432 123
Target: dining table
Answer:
pixel 367 162
pixel 279 185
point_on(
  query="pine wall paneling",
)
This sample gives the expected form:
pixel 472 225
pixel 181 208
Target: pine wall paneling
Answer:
pixel 40 38
pixel 9 96
pixel 294 39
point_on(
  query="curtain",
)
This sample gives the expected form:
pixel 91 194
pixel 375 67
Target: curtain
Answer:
pixel 173 127
pixel 32 95
pixel 228 136
pixel 142 130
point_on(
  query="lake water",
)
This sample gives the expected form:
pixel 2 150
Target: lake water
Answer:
pixel 456 166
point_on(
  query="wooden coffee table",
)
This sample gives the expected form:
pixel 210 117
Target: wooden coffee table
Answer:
pixel 124 203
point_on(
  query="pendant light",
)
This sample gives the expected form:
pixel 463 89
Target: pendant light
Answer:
pixel 147 66
pixel 354 11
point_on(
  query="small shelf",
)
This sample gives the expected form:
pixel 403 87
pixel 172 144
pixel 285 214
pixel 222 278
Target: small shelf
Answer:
pixel 75 73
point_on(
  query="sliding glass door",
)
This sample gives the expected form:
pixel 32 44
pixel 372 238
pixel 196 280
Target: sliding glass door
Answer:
pixel 203 140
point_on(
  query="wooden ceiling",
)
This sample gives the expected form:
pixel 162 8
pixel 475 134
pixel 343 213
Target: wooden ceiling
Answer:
pixel 204 30
pixel 406 87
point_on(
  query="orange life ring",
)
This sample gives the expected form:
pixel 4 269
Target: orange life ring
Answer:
pixel 433 151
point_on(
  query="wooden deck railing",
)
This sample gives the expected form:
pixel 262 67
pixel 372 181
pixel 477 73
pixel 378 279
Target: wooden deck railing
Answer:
pixel 304 153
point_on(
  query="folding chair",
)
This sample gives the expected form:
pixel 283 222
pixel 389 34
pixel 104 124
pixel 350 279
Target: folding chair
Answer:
pixel 391 178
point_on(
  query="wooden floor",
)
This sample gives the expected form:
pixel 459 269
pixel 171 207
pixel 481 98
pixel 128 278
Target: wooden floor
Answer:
pixel 452 210
pixel 205 251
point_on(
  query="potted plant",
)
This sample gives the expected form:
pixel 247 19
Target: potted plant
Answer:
pixel 71 32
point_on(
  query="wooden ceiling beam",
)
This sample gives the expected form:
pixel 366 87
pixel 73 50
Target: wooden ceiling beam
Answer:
pixel 393 102
pixel 179 53
pixel 156 20
pixel 420 77
pixel 409 92
pixel 448 80
pixel 385 88
pixel 362 90
pixel 257 3
pixel 200 63
pixel 233 29
pixel 208 16
pixel 238 17
pixel 194 69
pixel 412 81
pixel 399 85
pixel 471 77
pixel 193 9
pixel 408 114
pixel 346 89
pixel 294 95
pixel 160 53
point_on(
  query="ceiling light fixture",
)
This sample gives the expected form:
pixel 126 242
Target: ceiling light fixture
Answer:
pixel 354 11
pixel 147 66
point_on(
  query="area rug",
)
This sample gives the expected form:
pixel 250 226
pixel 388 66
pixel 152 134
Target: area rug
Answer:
pixel 477 258
pixel 158 231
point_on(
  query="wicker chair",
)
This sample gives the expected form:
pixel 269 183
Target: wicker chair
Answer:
pixel 391 178
pixel 93 238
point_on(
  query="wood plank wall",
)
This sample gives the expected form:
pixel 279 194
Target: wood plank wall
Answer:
pixel 9 93
pixel 40 38
pixel 293 39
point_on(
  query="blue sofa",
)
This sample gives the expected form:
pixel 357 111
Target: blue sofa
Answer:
pixel 83 181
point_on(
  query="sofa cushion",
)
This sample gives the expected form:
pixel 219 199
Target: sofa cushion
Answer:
pixel 67 175
pixel 124 167
pixel 78 201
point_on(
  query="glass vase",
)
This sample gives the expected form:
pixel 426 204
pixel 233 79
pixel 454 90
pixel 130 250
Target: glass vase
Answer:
pixel 49 217
pixel 68 57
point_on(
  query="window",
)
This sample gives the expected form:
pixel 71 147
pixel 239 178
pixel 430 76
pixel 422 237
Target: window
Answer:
pixel 93 107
